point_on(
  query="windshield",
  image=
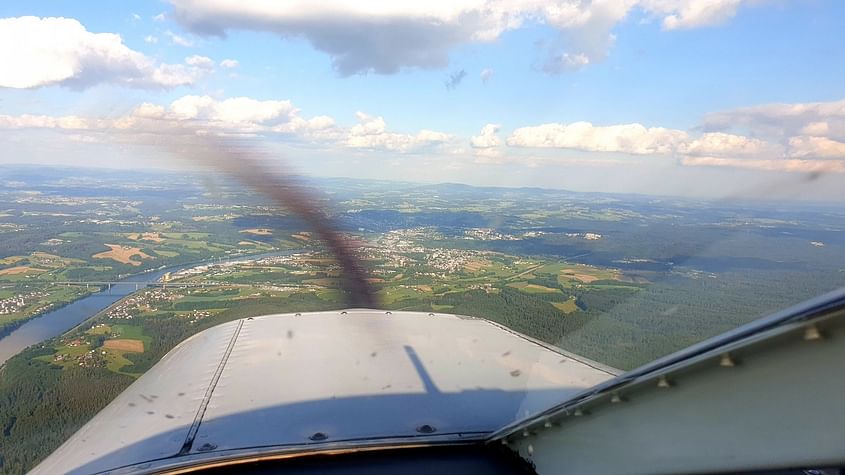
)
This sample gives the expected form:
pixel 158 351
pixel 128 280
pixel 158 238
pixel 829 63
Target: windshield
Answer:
pixel 618 180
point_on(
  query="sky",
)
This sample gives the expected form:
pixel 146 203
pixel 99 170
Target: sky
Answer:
pixel 712 98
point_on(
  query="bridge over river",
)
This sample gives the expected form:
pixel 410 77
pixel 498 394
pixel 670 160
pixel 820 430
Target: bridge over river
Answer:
pixel 142 284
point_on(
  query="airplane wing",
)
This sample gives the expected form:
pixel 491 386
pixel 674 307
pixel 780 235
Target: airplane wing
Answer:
pixel 327 381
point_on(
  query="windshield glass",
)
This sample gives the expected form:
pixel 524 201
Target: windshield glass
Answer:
pixel 618 180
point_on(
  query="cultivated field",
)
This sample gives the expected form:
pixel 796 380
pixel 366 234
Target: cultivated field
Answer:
pixel 134 346
pixel 152 237
pixel 123 254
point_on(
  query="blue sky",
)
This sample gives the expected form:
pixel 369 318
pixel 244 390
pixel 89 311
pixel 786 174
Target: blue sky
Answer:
pixel 699 97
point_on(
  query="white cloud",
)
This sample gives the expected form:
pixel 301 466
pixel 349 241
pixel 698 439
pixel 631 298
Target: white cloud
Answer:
pixel 784 120
pixel 818 129
pixel 678 14
pixel 371 133
pixel 566 62
pixel 383 37
pixel 722 144
pixel 202 62
pixel 27 121
pixel 627 138
pixel 229 63
pixel 817 147
pixel 150 39
pixel 179 40
pixel 237 110
pixel 160 17
pixel 150 111
pixel 488 138
pixel 812 129
pixel 636 139
pixel 486 75
pixel 60 51
pixel 306 127
pixel 240 116
pixel 136 17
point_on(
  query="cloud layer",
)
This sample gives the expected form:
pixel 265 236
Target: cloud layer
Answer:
pixel 238 116
pixel 383 37
pixel 531 145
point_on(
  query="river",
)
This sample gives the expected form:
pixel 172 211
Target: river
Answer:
pixel 56 322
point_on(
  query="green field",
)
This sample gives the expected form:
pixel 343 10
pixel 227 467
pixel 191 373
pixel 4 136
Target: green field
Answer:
pixel 567 307
pixel 534 288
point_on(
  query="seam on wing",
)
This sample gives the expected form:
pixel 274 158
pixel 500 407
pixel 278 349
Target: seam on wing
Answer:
pixel 195 426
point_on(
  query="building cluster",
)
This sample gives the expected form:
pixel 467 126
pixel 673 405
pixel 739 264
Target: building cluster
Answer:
pixel 401 249
pixel 488 234
pixel 198 315
pixel 141 302
pixel 89 359
pixel 450 260
pixel 587 236
pixel 121 222
pixel 18 302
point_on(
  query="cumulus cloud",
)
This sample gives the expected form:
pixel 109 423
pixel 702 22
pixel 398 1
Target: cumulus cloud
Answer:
pixel 28 121
pixel 678 14
pixel 487 145
pixel 187 114
pixel 637 139
pixel 627 138
pixel 371 133
pixel 486 75
pixel 198 61
pixel 229 63
pixel 819 147
pixel 722 144
pixel 60 51
pixel 585 33
pixel 383 37
pixel 811 129
pixel 237 110
pixel 563 62
pixel 243 116
pixel 455 79
pixel 488 137
pixel 311 128
pixel 179 40
pixel 784 120
pixel 798 153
